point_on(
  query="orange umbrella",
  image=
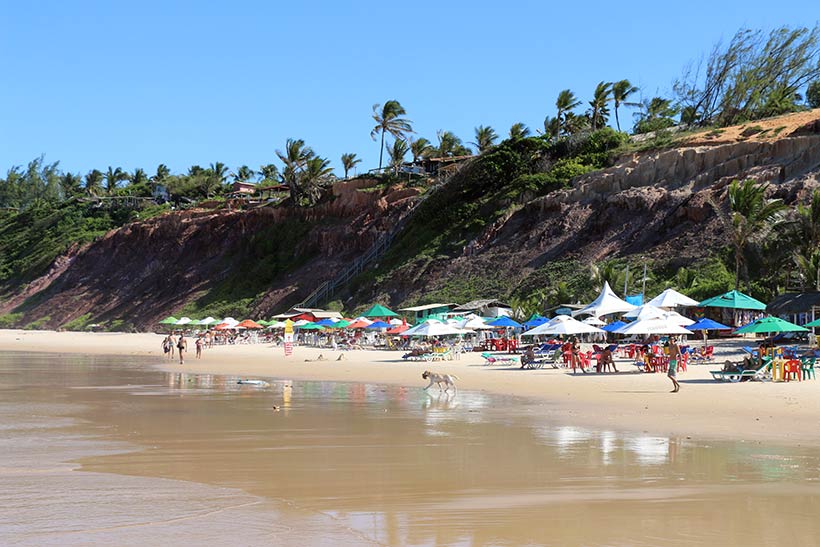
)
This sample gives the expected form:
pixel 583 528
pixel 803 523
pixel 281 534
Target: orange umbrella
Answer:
pixel 250 324
pixel 357 325
pixel 222 326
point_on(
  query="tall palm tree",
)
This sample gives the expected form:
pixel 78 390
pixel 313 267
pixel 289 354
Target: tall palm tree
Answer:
pixel 397 153
pixel 420 148
pixel 751 218
pixel 162 173
pixel 519 131
pixel 220 172
pixel 598 105
pixel 621 91
pixel 389 119
pixel 565 103
pixel 93 182
pixel 349 161
pixel 113 177
pixel 138 177
pixel 485 137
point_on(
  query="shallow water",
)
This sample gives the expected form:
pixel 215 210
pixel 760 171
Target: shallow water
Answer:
pixel 97 451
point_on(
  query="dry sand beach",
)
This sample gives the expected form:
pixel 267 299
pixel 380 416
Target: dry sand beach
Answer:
pixel 780 412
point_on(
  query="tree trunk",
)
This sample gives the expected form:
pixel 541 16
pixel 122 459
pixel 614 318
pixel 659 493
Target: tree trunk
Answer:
pixel 381 151
pixel 617 121
pixel 737 269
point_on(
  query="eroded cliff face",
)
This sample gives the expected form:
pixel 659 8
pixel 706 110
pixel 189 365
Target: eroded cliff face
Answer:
pixel 658 205
pixel 148 270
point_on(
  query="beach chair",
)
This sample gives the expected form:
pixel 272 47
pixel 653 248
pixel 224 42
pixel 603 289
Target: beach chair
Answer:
pixel 807 368
pixel 758 374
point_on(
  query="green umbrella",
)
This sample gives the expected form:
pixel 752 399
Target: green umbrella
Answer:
pixel 341 323
pixel 311 326
pixel 768 325
pixel 733 299
pixel 815 323
pixel 379 311
pixel 195 322
pixel 170 320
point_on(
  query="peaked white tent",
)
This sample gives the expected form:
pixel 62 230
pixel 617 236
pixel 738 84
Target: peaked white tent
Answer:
pixel 434 328
pixel 652 326
pixel 678 319
pixel 670 298
pixel 606 303
pixel 562 324
pixel 647 311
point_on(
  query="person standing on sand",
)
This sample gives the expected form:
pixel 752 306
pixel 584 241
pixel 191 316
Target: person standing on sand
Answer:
pixel 674 358
pixel 199 343
pixel 182 346
pixel 173 343
pixel 166 346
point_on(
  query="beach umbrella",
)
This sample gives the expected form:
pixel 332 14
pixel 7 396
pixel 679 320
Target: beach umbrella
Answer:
pixel 222 326
pixel 505 322
pixel 398 329
pixel 341 323
pixel 706 325
pixel 379 311
pixel 311 326
pixel 378 325
pixel 562 324
pixel 534 321
pixel 230 321
pixel 652 326
pixel 735 300
pixel 209 321
pixel 327 323
pixel 396 321
pixel 670 298
pixel 612 327
pixel 301 323
pixel 249 324
pixel 815 323
pixel 677 318
pixel 474 323
pixel 183 321
pixel 276 324
pixel 170 320
pixel 195 323
pixel 359 324
pixel 769 325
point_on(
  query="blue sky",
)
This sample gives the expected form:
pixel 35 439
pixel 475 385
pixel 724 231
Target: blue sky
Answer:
pixel 135 84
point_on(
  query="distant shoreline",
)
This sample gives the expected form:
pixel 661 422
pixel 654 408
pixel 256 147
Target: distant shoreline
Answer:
pixel 629 401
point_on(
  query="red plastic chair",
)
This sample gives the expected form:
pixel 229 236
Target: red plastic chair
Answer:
pixel 792 369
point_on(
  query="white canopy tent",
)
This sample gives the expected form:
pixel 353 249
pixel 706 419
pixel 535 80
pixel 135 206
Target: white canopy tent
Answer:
pixel 562 324
pixel 606 303
pixel 594 321
pixel 434 328
pixel 647 311
pixel 678 319
pixel 670 298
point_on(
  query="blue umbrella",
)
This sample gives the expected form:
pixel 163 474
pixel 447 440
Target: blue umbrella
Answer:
pixel 326 322
pixel 379 325
pixel 613 326
pixel 707 324
pixel 535 321
pixel 505 321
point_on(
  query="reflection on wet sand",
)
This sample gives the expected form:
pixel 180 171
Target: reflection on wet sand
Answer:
pixel 359 464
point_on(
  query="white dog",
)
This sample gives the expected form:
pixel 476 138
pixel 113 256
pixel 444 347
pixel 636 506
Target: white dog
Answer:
pixel 436 378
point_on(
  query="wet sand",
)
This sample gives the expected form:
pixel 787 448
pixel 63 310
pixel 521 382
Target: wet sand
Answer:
pixel 159 456
pixel 781 412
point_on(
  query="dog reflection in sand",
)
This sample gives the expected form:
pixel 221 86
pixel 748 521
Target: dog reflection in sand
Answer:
pixel 437 378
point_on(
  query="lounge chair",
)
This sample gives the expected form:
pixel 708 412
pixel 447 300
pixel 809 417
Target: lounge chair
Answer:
pixel 758 373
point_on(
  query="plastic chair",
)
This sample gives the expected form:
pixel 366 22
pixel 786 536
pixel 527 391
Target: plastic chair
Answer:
pixel 807 368
pixel 791 370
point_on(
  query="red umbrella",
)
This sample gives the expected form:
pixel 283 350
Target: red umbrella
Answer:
pixel 398 329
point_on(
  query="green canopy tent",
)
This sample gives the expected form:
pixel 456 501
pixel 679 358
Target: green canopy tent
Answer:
pixel 379 311
pixel 734 300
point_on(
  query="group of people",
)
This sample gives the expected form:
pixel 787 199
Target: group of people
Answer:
pixel 171 343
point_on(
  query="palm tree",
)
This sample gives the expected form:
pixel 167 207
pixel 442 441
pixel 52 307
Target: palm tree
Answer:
pixel 317 173
pixel 420 148
pixel 244 174
pixel 519 131
pixel 621 91
pixel 70 184
pixel 294 157
pixel 552 127
pixel 450 145
pixel 599 110
pixel 113 177
pixel 93 182
pixel 138 177
pixel 397 153
pixel 162 173
pixel 573 123
pixel 751 218
pixel 565 103
pixel 220 172
pixel 388 120
pixel 349 161
pixel 268 172
pixel 485 137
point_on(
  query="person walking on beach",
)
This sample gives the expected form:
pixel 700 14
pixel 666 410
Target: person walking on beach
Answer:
pixel 674 358
pixel 182 346
pixel 173 344
pixel 166 346
pixel 199 343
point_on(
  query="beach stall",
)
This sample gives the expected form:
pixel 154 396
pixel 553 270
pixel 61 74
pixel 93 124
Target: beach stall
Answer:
pixel 736 308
